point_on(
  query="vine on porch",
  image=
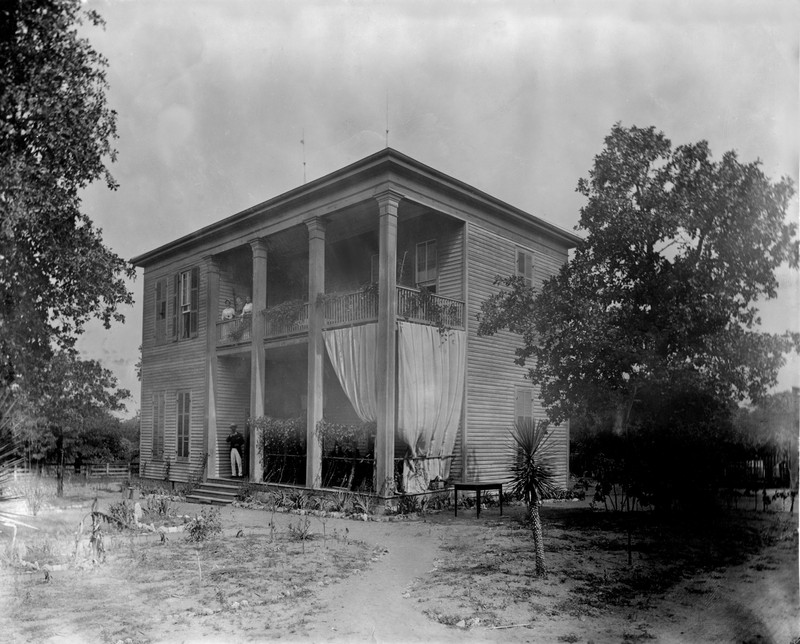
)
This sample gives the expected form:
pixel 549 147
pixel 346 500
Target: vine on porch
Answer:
pixel 285 313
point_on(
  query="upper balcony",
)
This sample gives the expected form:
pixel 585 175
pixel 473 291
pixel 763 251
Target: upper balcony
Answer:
pixel 359 307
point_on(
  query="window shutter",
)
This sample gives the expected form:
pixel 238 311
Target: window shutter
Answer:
pixel 176 308
pixel 161 311
pixel 525 266
pixel 194 302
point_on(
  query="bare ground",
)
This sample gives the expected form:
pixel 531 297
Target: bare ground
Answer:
pixel 732 577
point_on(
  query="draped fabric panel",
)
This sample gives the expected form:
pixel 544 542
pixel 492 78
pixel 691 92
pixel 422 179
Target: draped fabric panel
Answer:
pixel 431 371
pixel 430 382
pixel 353 354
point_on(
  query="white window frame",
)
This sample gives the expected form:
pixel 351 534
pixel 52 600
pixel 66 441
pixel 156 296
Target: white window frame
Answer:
pixel 428 275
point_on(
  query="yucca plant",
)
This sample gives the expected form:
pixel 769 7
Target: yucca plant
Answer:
pixel 533 478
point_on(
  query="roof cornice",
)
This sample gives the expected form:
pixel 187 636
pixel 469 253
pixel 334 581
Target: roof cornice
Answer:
pixel 372 165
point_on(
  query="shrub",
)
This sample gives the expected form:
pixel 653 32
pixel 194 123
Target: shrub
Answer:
pixel 36 492
pixel 204 526
pixel 122 513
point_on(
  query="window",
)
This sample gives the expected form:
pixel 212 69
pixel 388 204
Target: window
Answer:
pixel 161 311
pixel 523 404
pixel 158 424
pixel 185 304
pixel 184 418
pixel 426 264
pixel 525 265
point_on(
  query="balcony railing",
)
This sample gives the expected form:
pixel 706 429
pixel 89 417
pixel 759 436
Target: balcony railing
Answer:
pixel 289 323
pixel 234 331
pixel 352 308
pixel 358 307
pixel 428 308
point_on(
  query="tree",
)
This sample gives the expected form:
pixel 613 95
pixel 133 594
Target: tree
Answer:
pixel 55 137
pixel 772 426
pixel 77 393
pixel 532 477
pixel 662 293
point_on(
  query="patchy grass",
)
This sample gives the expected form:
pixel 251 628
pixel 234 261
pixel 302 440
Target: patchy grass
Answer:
pixel 152 590
pixel 488 571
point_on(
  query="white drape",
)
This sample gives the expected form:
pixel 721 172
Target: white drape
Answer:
pixel 430 381
pixel 431 370
pixel 353 353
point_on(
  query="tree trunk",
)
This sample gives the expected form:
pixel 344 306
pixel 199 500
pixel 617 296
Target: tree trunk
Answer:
pixel 60 467
pixel 538 539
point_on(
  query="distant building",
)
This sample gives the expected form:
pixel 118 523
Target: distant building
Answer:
pixel 365 286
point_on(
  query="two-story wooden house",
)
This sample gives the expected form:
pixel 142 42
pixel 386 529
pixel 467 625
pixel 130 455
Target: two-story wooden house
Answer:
pixel 365 287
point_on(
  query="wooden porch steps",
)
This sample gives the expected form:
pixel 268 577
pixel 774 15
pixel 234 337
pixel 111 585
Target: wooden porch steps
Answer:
pixel 216 492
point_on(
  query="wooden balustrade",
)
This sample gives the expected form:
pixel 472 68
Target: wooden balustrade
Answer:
pixel 279 327
pixel 429 308
pixel 353 308
pixel 358 307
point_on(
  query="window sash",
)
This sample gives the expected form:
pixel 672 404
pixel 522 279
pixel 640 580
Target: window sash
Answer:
pixel 427 269
pixel 523 404
pixel 185 304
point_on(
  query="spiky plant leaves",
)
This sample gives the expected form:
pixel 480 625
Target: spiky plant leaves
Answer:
pixel 533 478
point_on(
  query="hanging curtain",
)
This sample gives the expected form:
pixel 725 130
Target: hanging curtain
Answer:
pixel 353 353
pixel 431 371
pixel 430 383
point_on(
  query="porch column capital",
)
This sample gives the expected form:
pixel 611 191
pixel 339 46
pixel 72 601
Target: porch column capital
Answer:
pixel 259 247
pixel 388 201
pixel 316 227
pixel 212 265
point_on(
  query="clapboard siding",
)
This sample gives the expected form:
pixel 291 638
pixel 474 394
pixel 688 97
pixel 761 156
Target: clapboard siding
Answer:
pixel 451 263
pixel 172 367
pixel 492 376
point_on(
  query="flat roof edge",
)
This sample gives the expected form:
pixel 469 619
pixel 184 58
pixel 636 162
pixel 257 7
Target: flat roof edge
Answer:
pixel 361 166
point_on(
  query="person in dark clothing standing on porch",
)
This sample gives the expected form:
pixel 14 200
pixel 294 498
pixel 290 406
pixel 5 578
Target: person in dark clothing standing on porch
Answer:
pixel 236 443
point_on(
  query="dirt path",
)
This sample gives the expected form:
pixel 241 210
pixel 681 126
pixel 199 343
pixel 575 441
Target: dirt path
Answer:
pixel 376 608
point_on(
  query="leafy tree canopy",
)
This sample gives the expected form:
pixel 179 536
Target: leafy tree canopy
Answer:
pixel 56 134
pixel 663 290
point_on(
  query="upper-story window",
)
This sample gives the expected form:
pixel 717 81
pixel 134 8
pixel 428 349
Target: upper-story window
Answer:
pixel 427 266
pixel 186 304
pixel 161 311
pixel 525 265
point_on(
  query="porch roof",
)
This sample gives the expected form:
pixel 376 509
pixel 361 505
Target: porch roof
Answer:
pixel 388 163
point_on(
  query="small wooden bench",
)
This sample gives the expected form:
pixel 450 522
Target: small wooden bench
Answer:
pixel 477 488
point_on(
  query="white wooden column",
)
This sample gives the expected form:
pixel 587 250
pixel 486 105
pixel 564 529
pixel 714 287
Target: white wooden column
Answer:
pixel 386 375
pixel 258 363
pixel 210 421
pixel 316 349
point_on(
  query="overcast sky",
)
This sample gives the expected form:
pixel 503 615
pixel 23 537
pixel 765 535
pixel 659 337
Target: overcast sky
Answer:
pixel 514 98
